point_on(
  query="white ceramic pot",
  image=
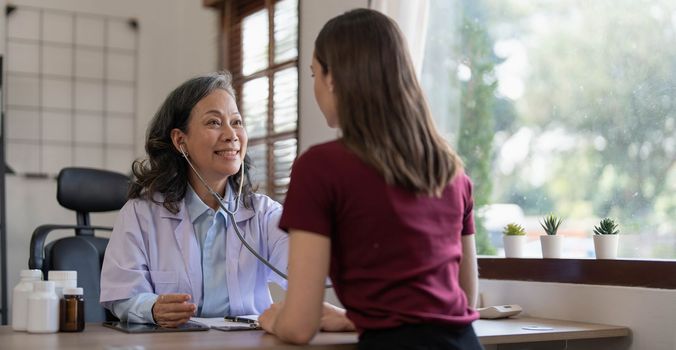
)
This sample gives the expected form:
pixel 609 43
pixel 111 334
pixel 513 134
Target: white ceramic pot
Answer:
pixel 605 246
pixel 552 246
pixel 514 246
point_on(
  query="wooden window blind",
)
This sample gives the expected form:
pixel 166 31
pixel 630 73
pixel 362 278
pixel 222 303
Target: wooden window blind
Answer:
pixel 259 42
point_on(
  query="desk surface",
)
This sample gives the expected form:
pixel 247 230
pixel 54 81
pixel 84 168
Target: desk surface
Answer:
pixel 98 337
pixel 512 330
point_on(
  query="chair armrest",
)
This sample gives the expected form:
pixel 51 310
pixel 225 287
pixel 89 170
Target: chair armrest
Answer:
pixel 36 255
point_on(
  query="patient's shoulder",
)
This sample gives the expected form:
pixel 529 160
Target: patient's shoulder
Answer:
pixel 330 153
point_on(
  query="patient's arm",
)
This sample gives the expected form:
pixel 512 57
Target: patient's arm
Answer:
pixel 298 319
pixel 469 275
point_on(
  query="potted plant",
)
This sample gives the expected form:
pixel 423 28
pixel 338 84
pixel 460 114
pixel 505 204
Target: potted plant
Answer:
pixel 551 243
pixel 514 239
pixel 605 239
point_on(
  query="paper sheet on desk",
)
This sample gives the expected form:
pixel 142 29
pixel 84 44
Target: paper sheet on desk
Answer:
pixel 221 324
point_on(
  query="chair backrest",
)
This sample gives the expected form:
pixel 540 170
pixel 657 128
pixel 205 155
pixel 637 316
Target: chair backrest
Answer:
pixel 88 190
pixel 83 190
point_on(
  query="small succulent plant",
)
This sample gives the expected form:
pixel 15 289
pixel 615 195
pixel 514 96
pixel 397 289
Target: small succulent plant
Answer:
pixel 513 230
pixel 607 226
pixel 550 224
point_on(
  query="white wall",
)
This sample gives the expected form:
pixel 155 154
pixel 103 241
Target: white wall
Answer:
pixel 649 313
pixel 177 39
pixel 313 15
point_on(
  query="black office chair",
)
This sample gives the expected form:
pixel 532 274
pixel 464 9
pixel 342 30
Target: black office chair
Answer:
pixel 85 191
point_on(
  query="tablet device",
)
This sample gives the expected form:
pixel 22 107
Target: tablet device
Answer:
pixel 152 328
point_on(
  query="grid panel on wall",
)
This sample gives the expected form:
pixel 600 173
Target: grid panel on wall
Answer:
pixel 71 90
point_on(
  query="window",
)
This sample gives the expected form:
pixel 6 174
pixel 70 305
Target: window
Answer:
pixel 561 107
pixel 261 51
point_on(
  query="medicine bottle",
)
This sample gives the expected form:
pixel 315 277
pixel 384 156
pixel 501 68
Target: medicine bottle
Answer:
pixel 43 309
pixel 20 298
pixel 62 279
pixel 71 314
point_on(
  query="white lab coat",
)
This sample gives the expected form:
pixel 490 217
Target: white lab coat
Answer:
pixel 152 250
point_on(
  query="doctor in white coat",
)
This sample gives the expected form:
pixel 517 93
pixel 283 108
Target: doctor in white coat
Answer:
pixel 173 252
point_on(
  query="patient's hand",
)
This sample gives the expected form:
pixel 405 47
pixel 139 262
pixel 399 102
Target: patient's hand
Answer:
pixel 268 318
pixel 334 320
pixel 173 310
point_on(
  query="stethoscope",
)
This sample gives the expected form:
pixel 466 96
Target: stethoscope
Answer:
pixel 231 213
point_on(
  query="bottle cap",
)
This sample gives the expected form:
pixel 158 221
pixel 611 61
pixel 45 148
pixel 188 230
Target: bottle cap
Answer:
pixel 31 274
pixel 43 286
pixel 73 291
pixel 56 275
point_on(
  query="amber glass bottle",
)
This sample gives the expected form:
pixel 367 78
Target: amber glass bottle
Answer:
pixel 71 315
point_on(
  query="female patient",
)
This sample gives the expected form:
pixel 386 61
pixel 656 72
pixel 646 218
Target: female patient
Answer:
pixel 173 252
pixel 386 210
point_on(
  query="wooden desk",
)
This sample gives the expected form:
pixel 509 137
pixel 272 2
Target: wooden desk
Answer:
pixel 97 337
pixel 511 330
pixel 101 338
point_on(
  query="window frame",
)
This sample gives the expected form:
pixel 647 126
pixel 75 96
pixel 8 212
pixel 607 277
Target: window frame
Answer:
pixel 659 274
pixel 632 272
pixel 232 13
pixel 638 272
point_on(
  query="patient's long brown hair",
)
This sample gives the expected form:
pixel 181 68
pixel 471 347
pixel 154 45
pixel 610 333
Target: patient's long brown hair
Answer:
pixel 382 111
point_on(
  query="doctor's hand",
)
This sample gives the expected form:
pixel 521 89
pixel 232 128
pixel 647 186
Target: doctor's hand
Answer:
pixel 334 320
pixel 173 310
pixel 268 318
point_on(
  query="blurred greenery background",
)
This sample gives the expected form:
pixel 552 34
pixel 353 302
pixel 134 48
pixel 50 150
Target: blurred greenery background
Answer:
pixel 565 107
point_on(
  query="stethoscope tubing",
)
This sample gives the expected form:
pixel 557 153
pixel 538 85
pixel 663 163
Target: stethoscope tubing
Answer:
pixel 231 215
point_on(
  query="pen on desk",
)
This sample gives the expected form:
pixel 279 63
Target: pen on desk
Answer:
pixel 240 319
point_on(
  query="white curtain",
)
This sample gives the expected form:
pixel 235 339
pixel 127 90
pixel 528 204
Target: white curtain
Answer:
pixel 411 16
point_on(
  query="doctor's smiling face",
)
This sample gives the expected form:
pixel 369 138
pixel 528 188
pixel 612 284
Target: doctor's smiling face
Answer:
pixel 215 139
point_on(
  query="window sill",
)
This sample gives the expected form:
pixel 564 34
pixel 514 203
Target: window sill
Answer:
pixel 620 272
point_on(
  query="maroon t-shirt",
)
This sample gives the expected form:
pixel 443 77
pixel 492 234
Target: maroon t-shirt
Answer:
pixel 395 254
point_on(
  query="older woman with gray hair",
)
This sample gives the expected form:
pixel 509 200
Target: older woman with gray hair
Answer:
pixel 173 253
